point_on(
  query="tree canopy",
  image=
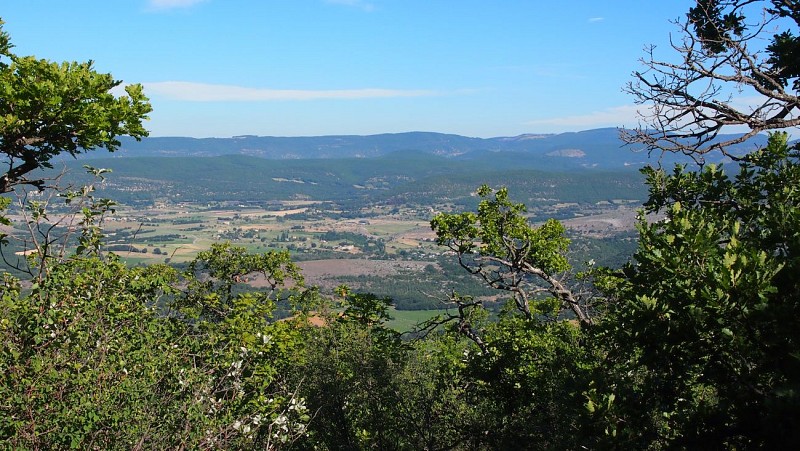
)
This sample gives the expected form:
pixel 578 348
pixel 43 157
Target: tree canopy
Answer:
pixel 48 109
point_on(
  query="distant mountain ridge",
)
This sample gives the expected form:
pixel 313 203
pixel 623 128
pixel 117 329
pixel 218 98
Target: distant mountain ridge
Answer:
pixel 598 148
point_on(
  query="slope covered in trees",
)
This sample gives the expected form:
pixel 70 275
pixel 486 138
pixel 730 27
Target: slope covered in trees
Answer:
pixel 598 148
pixel 691 345
pixel 425 179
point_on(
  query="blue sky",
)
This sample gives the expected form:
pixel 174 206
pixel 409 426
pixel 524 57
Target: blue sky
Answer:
pixel 318 67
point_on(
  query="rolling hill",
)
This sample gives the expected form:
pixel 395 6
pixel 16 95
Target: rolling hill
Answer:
pixel 591 149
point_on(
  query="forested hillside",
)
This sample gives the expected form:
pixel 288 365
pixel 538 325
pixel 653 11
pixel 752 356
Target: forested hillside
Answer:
pixel 428 180
pixel 600 148
pixel 690 345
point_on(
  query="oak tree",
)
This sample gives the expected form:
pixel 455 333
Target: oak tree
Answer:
pixel 48 109
pixel 700 333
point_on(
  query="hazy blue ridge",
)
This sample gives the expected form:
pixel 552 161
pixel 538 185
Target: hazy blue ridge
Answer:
pixel 591 149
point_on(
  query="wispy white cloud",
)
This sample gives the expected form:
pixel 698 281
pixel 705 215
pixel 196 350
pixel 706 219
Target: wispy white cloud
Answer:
pixel 626 115
pixel 596 19
pixel 171 4
pixel 202 92
pixel 361 4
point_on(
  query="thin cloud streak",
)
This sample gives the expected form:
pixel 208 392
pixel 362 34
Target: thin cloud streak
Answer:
pixel 366 6
pixel 202 92
pixel 160 5
pixel 626 115
pixel 596 19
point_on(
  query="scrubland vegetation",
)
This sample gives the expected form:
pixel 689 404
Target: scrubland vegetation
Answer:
pixel 149 322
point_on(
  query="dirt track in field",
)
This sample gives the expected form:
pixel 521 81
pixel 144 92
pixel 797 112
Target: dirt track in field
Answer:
pixel 323 272
pixel 603 224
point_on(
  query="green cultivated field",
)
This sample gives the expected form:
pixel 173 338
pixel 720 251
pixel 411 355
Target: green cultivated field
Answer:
pixel 405 320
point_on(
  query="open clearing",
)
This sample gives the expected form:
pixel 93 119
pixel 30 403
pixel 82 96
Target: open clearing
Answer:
pixel 604 224
pixel 324 272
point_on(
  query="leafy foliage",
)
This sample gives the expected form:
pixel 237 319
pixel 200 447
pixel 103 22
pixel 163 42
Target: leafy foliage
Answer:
pixel 85 362
pixel 529 367
pixel 103 356
pixel 48 108
pixel 529 385
pixel 499 245
pixel 704 326
pixel 347 376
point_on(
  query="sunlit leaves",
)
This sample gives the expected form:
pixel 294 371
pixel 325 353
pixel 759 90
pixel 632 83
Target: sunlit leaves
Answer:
pixel 49 108
pixel 100 355
pixel 500 245
pixel 704 321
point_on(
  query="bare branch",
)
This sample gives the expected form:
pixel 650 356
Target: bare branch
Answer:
pixel 692 101
pixel 464 325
